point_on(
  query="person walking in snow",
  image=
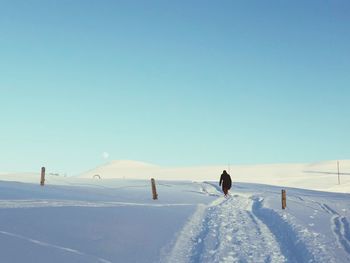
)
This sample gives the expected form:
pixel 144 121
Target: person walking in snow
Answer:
pixel 225 181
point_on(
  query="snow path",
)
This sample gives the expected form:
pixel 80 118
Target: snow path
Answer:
pixel 226 231
pixel 232 233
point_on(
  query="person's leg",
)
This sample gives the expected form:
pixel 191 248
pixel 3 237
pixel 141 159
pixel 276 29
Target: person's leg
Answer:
pixel 225 190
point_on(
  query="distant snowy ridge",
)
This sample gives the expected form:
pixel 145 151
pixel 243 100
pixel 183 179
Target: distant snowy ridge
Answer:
pixel 321 176
pixel 291 175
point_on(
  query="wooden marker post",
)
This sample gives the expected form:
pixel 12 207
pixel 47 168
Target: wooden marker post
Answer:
pixel 42 180
pixel 338 173
pixel 154 190
pixel 284 199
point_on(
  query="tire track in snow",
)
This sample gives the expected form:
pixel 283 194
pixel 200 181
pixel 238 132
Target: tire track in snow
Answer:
pixel 290 244
pixel 236 235
pixel 298 243
pixel 44 244
pixel 226 231
pixel 340 228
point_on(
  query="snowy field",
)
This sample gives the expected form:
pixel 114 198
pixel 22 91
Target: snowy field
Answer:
pixel 81 219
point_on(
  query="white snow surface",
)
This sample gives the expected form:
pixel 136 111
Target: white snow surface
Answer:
pixel 84 219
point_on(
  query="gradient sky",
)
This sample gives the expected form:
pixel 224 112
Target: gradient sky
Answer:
pixel 173 83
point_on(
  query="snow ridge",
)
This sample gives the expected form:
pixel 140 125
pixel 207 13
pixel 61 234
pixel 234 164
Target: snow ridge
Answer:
pixel 187 237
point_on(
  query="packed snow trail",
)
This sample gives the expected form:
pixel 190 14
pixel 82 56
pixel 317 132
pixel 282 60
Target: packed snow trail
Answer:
pixel 233 234
pixel 250 226
pixel 227 232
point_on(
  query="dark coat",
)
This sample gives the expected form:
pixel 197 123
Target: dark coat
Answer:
pixel 225 180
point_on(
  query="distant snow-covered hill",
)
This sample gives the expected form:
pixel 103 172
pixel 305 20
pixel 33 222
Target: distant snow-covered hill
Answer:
pixel 316 176
pixel 322 176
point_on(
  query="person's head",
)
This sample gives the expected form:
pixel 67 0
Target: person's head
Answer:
pixel 224 172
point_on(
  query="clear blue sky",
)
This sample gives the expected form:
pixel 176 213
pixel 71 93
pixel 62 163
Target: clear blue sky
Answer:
pixel 173 82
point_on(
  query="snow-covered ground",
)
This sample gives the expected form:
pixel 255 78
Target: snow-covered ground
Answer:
pixel 81 219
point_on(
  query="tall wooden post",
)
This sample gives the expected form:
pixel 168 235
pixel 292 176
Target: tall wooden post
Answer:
pixel 284 199
pixel 154 190
pixel 338 173
pixel 42 180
